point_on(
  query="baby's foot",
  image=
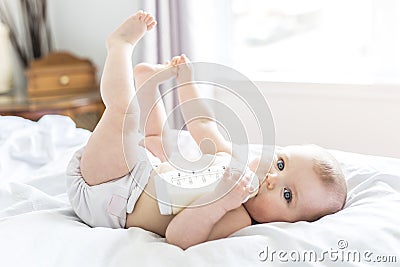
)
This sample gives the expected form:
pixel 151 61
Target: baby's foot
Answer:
pixel 153 73
pixel 185 69
pixel 132 29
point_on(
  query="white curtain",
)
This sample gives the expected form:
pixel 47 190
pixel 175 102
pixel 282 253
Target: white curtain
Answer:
pixel 198 29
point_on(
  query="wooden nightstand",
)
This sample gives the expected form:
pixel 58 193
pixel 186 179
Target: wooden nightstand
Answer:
pixel 84 108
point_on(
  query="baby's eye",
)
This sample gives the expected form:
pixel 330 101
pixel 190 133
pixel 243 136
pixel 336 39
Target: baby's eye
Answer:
pixel 280 164
pixel 287 195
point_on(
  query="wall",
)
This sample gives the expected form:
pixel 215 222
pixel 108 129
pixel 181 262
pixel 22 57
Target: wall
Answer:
pixel 356 118
pixel 81 27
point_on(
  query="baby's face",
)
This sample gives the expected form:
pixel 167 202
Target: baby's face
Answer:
pixel 291 191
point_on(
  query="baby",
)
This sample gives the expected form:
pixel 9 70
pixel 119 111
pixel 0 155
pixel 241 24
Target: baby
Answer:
pixel 106 179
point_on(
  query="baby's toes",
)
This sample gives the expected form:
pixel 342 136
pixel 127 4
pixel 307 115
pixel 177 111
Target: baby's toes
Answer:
pixel 140 15
pixel 144 16
pixel 151 25
pixel 148 18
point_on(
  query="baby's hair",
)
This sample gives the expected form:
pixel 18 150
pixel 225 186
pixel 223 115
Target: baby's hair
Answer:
pixel 330 173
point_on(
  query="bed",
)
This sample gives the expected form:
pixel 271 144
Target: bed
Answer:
pixel 39 228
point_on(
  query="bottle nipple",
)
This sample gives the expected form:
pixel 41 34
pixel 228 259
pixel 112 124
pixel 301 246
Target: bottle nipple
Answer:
pixel 254 185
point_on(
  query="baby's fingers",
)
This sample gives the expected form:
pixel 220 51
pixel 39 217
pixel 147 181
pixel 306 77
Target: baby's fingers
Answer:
pixel 175 60
pixel 245 188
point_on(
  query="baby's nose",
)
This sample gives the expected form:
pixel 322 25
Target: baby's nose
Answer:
pixel 272 180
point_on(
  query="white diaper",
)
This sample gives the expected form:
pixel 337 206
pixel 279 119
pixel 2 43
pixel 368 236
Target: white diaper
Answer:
pixel 106 205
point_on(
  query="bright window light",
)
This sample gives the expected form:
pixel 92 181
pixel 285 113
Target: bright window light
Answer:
pixel 319 41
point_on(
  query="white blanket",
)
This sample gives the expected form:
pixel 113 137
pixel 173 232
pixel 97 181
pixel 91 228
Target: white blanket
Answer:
pixel 38 227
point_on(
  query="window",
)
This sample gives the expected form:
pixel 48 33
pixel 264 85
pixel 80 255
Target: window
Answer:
pixel 351 41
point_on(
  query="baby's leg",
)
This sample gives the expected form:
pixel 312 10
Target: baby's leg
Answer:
pixel 152 111
pixel 112 148
pixel 198 116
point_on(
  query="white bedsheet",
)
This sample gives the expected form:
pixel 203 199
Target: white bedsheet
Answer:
pixel 38 227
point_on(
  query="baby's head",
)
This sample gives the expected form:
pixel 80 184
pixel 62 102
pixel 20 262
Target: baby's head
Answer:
pixel 304 183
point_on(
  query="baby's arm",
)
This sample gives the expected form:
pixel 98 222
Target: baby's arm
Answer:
pixel 202 128
pixel 195 225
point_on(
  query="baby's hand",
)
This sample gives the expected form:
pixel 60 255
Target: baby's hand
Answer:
pixel 185 69
pixel 233 189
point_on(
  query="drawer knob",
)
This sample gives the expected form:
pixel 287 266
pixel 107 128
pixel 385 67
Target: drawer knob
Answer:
pixel 64 80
